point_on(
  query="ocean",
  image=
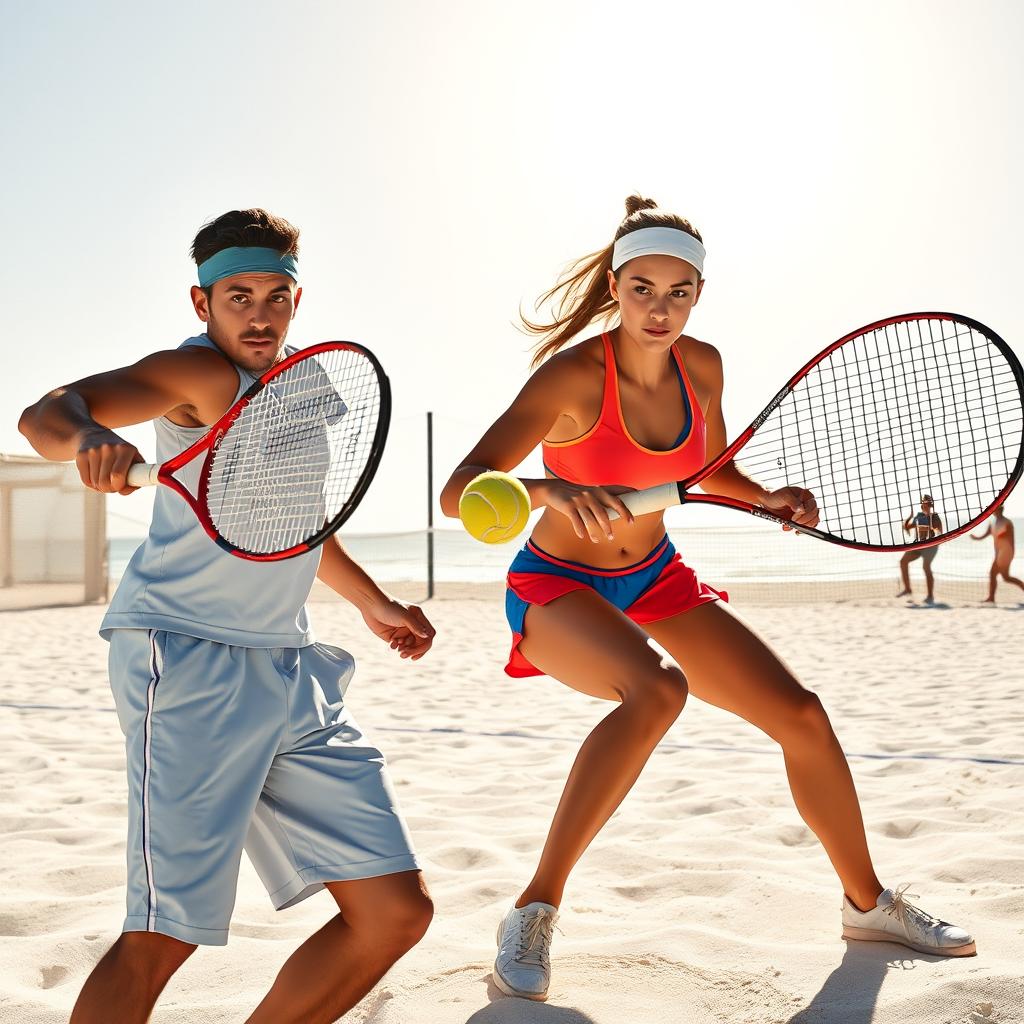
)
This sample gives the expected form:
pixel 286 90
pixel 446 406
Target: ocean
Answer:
pixel 755 554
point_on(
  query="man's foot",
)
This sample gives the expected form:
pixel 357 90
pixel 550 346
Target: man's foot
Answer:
pixel 896 919
pixel 929 599
pixel 904 593
pixel 523 967
pixel 989 600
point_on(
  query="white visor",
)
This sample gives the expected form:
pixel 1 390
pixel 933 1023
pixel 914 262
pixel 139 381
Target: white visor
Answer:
pixel 659 242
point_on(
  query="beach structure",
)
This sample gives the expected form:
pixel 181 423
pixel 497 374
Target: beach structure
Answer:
pixel 53 544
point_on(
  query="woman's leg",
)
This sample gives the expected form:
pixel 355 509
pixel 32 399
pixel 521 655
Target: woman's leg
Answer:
pixel 926 563
pixel 993 575
pixel 905 573
pixel 728 665
pixel 583 641
pixel 1002 567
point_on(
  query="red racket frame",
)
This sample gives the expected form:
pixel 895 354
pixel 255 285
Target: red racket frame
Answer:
pixel 685 497
pixel 213 437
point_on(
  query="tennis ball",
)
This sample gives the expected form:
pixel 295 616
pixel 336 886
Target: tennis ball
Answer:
pixel 494 507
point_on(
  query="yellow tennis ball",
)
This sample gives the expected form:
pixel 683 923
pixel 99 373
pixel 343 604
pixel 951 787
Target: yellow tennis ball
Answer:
pixel 494 507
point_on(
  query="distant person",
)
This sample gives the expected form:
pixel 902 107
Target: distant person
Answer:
pixel 1001 528
pixel 927 525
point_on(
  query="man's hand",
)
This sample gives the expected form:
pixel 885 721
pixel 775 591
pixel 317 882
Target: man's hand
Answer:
pixel 103 459
pixel 402 626
pixel 796 503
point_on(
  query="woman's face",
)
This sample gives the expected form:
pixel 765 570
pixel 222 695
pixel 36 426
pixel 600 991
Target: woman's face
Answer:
pixel 655 295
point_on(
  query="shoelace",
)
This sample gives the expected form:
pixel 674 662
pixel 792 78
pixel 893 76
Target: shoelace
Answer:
pixel 906 912
pixel 535 933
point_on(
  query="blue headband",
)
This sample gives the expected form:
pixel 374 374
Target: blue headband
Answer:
pixel 246 259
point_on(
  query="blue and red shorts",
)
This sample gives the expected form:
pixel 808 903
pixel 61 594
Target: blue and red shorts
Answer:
pixel 657 587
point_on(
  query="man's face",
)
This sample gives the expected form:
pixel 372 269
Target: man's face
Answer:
pixel 926 506
pixel 248 316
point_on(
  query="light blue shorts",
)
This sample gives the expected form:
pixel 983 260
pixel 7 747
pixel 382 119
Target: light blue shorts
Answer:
pixel 232 747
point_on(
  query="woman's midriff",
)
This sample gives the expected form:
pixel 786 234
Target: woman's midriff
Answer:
pixel 554 533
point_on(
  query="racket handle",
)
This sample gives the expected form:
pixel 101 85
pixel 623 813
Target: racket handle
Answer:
pixel 650 499
pixel 143 474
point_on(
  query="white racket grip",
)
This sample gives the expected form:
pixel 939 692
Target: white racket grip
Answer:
pixel 143 474
pixel 650 499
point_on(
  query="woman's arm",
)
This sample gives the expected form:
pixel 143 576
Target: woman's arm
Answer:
pixel 730 480
pixel 512 436
pixel 519 429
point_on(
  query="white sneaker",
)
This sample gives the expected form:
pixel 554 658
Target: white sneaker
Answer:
pixel 522 967
pixel 896 919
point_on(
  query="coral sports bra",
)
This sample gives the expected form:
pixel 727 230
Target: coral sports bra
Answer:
pixel 606 454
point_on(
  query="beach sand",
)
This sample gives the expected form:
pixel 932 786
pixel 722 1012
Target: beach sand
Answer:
pixel 704 899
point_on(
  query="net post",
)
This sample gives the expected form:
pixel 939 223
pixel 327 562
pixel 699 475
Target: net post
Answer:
pixel 430 505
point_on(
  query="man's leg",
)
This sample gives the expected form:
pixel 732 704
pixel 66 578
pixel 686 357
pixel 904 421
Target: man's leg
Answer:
pixel 125 984
pixel 380 920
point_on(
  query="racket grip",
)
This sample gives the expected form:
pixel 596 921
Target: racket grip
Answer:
pixel 143 474
pixel 650 499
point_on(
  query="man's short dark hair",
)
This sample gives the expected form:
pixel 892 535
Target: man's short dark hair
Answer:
pixel 245 227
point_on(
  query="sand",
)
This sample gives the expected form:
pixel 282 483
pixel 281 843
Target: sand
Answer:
pixel 704 899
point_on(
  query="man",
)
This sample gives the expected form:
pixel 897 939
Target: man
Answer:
pixel 1001 528
pixel 236 732
pixel 926 524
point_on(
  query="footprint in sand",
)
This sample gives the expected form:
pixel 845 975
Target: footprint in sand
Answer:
pixel 53 976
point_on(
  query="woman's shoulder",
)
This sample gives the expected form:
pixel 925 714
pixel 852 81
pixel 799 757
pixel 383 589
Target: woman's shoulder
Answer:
pixel 703 362
pixel 573 365
pixel 700 352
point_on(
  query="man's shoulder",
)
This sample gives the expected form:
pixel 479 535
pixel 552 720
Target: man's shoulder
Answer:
pixel 201 378
pixel 190 354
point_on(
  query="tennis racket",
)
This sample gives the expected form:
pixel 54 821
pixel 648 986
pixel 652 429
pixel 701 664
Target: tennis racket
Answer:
pixel 289 462
pixel 921 403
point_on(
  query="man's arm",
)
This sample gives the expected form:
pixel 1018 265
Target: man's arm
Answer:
pixel 76 421
pixel 404 627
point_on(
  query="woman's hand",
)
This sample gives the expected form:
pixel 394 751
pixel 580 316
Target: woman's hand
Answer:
pixel 402 626
pixel 587 507
pixel 797 504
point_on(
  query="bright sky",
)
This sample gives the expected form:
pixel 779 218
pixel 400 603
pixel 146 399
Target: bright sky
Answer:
pixel 445 160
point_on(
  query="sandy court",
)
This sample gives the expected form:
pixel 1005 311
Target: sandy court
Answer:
pixel 705 898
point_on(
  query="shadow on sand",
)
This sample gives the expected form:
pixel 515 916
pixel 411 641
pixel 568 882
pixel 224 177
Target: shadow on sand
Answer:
pixel 848 995
pixel 505 1010
pixel 851 990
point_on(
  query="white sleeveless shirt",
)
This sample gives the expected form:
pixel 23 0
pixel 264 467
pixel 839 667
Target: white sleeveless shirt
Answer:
pixel 179 580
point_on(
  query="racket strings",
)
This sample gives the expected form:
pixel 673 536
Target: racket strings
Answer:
pixel 921 406
pixel 297 452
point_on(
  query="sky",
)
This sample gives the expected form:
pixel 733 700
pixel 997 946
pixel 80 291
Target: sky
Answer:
pixel 445 161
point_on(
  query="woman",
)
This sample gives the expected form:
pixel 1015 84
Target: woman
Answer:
pixel 639 405
pixel 1001 528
